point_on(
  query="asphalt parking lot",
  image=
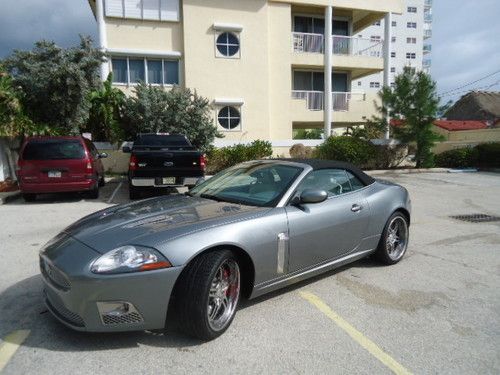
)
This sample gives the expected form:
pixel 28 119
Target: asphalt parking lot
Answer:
pixel 437 311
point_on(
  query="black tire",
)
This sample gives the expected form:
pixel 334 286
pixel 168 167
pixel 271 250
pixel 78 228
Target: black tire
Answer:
pixel 102 181
pixel 133 193
pixel 94 193
pixel 29 197
pixel 192 295
pixel 387 251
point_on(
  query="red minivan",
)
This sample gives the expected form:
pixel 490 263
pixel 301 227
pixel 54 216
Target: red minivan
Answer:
pixel 59 164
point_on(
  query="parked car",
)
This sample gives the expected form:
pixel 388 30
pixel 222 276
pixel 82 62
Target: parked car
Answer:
pixel 160 161
pixel 59 164
pixel 249 230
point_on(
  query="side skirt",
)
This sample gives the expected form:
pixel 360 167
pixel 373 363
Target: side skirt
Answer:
pixel 299 275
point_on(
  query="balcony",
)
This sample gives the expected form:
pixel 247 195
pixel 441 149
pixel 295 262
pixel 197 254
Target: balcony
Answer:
pixel 427 48
pixel 360 55
pixel 427 17
pixel 427 33
pixel 349 107
pixel 427 4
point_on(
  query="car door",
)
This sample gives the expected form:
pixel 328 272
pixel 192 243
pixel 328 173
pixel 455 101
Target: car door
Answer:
pixel 322 231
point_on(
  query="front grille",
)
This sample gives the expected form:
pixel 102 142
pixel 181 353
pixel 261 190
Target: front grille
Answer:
pixel 476 218
pixel 130 318
pixel 54 276
pixel 62 312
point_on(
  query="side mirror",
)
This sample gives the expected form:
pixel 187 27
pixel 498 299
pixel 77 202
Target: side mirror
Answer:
pixel 126 149
pixel 310 196
pixel 103 155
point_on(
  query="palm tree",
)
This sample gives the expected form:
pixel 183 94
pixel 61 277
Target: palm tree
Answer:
pixel 105 112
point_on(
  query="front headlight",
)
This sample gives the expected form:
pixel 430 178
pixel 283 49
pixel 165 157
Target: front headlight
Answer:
pixel 129 259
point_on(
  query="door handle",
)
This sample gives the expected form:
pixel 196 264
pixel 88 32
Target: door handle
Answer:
pixel 356 208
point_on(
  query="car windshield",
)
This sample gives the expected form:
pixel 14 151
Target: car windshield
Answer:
pixel 254 184
pixel 52 149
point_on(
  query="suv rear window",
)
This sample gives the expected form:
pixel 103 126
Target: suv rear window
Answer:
pixel 162 140
pixel 54 149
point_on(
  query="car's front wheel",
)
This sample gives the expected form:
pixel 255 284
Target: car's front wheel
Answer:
pixel 208 294
pixel 394 241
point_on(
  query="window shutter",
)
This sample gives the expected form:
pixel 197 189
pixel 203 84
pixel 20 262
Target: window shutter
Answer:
pixel 151 9
pixel 133 8
pixel 169 10
pixel 113 8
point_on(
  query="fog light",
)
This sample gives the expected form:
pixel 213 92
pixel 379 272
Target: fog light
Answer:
pixel 118 313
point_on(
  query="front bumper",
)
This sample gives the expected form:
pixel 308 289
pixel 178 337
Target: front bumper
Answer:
pixel 75 295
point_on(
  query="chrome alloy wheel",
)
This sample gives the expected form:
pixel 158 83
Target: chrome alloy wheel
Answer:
pixel 223 295
pixel 397 238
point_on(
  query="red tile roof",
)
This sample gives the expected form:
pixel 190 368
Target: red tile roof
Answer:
pixel 452 125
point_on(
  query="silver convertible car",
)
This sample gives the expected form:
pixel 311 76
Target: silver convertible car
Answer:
pixel 249 230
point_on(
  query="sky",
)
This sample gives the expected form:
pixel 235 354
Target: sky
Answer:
pixel 465 43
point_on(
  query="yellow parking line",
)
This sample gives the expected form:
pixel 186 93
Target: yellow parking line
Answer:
pixel 357 336
pixel 10 345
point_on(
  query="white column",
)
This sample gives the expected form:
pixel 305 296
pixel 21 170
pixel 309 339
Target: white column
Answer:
pixel 328 108
pixel 103 40
pixel 387 60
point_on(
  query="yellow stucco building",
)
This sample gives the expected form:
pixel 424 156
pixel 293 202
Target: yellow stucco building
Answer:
pixel 261 63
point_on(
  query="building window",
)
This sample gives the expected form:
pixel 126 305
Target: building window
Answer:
pixel 131 70
pixel 375 38
pixel 393 39
pixel 393 84
pixel 393 54
pixel 376 23
pixel 120 70
pixel 411 55
pixel 359 83
pixel 393 69
pixel 412 9
pixel 375 85
pixel 228 45
pixel 229 118
pixel 394 23
pixel 411 40
pixel 155 10
pixel 411 25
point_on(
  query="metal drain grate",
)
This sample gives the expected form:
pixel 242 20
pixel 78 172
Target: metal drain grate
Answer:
pixel 476 218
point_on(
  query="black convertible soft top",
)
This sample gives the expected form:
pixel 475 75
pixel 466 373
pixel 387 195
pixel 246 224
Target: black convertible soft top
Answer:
pixel 329 164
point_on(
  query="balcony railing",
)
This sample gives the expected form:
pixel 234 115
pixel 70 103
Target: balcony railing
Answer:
pixel 342 45
pixel 427 33
pixel 340 100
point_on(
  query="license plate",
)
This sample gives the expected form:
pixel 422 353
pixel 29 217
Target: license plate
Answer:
pixel 55 174
pixel 168 180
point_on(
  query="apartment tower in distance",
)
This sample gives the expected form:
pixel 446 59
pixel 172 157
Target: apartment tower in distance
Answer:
pixel 410 42
pixel 268 67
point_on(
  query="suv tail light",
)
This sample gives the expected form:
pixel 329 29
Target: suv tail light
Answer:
pixel 203 162
pixel 132 165
pixel 89 169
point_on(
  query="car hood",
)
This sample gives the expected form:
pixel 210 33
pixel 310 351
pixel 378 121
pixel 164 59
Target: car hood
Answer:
pixel 154 221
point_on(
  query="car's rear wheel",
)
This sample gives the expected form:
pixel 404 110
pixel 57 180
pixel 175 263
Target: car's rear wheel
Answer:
pixel 94 193
pixel 208 294
pixel 29 197
pixel 134 193
pixel 102 181
pixel 394 241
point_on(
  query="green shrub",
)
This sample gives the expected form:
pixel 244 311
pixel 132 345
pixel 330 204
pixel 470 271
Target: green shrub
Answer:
pixel 457 158
pixel 350 149
pixel 488 155
pixel 225 157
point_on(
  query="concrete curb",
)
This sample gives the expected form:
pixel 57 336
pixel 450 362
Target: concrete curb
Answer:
pixel 9 196
pixel 378 172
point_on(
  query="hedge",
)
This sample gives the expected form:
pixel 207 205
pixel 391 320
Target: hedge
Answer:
pixel 486 155
pixel 225 157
